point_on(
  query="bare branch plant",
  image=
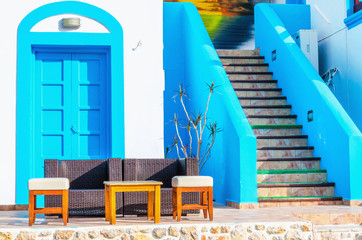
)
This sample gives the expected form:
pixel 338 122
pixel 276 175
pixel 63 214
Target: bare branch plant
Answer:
pixel 195 123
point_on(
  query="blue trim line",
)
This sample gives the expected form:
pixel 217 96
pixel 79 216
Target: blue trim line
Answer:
pixel 353 20
pixel 25 58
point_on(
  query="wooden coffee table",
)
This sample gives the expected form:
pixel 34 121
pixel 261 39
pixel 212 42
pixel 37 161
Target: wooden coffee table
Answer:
pixel 154 197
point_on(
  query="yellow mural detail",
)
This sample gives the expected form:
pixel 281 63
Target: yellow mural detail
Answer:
pixel 221 7
pixel 230 23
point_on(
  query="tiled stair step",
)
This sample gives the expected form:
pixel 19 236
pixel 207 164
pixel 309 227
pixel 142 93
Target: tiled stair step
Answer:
pixel 241 59
pixel 293 140
pixel 237 52
pixel 250 75
pixel 259 101
pixel 254 84
pixel 278 152
pixel 286 148
pixel 246 64
pixel 246 67
pixel 295 189
pixel 276 126
pixel 258 92
pixel 254 81
pixel 222 57
pixel 268 110
pixel 288 163
pixel 279 130
pixel 272 119
pixel 298 201
pixel 291 176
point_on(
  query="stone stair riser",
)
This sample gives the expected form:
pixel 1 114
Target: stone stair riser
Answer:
pixel 251 102
pixel 289 165
pixel 250 77
pixel 246 68
pixel 296 191
pixel 277 132
pixel 299 203
pixel 267 111
pixel 291 178
pixel 254 52
pixel 240 60
pixel 241 93
pixel 253 85
pixel 272 121
pixel 283 153
pixel 291 142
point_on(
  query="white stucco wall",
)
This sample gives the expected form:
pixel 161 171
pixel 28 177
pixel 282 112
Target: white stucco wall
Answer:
pixel 55 24
pixel 141 20
pixel 340 47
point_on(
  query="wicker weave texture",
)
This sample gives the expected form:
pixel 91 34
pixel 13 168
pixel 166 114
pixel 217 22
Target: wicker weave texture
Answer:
pixel 86 195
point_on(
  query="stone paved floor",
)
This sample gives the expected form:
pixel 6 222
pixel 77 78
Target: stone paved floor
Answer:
pixel 222 214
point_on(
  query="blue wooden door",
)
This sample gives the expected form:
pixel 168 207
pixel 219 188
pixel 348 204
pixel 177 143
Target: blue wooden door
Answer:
pixel 70 107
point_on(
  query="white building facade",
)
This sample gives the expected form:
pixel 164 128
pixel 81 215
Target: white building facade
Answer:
pixel 93 91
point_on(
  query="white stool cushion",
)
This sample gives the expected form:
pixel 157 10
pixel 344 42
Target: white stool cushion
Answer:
pixel 192 181
pixel 48 184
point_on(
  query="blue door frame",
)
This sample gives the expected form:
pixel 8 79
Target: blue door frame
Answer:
pixel 29 41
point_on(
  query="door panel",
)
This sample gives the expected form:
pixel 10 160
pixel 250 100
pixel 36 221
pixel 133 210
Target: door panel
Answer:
pixel 89 106
pixel 70 106
pixel 52 98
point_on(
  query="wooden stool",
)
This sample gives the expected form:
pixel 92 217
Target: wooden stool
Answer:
pixel 202 184
pixel 48 186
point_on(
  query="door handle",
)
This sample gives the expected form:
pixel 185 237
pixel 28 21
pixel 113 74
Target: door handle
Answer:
pixel 74 130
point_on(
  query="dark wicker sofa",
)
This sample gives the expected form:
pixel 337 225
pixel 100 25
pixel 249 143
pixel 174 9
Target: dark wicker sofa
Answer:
pixel 135 203
pixel 86 193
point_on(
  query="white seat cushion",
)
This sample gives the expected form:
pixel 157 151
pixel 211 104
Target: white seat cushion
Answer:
pixel 48 184
pixel 192 181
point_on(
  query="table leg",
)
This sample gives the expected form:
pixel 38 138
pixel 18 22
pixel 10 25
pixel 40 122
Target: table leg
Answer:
pixel 211 202
pixel 31 208
pixel 106 206
pixel 150 205
pixel 65 206
pixel 179 203
pixel 174 203
pixel 34 214
pixel 112 196
pixel 157 204
pixel 204 202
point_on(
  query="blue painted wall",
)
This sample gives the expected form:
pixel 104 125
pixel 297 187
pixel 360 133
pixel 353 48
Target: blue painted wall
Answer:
pixel 335 137
pixel 190 58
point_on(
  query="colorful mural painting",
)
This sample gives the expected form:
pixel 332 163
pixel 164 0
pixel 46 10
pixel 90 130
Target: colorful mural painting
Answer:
pixel 230 23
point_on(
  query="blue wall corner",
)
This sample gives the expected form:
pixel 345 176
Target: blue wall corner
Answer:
pixel 333 134
pixel 190 57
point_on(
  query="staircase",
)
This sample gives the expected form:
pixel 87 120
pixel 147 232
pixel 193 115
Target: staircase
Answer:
pixel 288 173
